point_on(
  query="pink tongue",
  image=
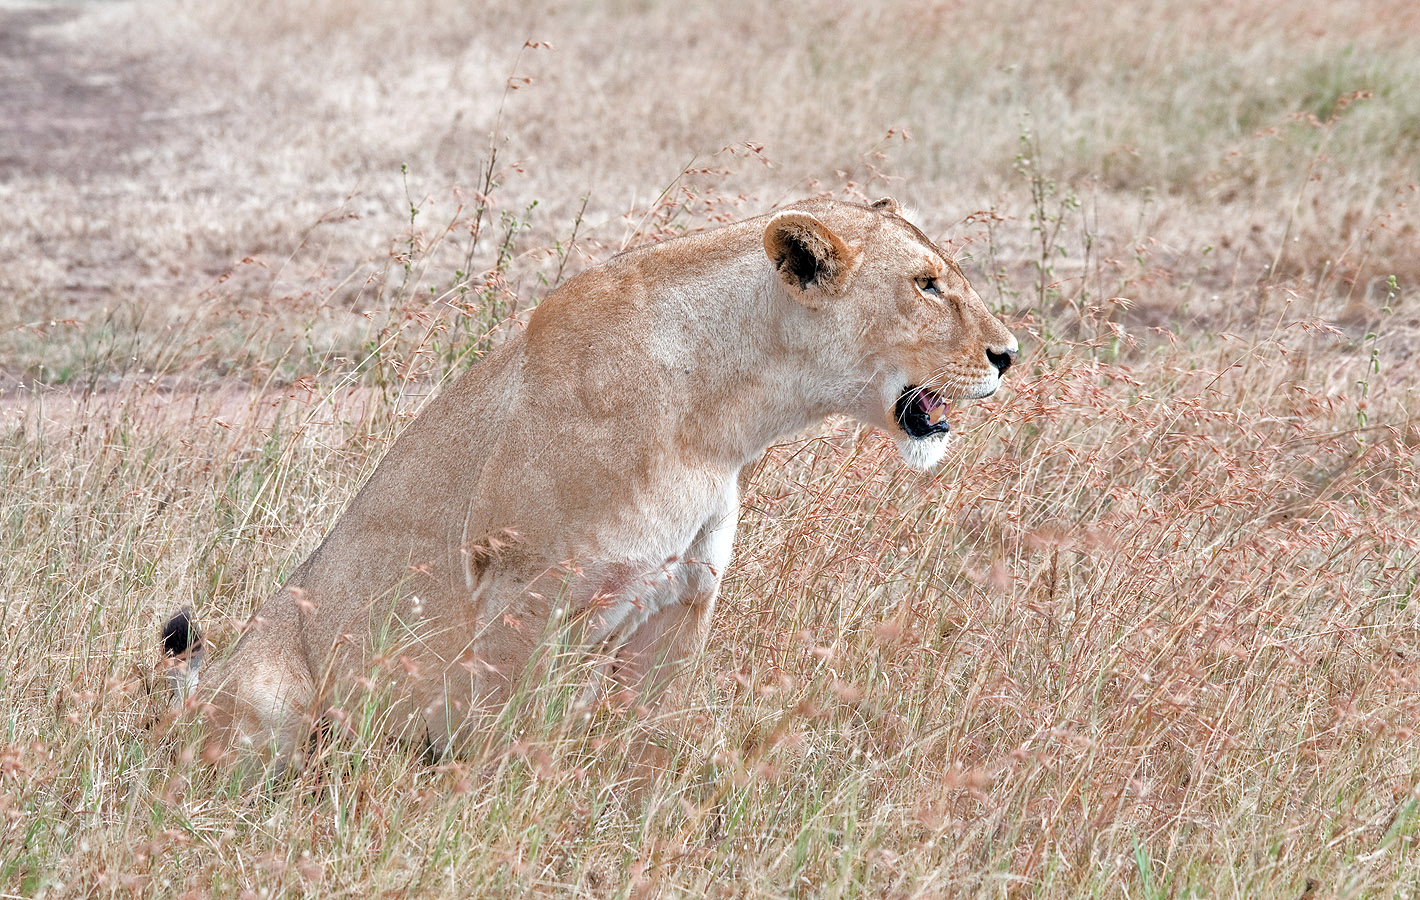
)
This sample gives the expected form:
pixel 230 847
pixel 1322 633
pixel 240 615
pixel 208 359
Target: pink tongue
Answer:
pixel 935 409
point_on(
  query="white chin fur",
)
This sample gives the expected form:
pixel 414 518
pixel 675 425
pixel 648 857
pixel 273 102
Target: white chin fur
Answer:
pixel 923 453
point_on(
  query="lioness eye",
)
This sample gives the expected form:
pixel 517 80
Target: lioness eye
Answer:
pixel 928 285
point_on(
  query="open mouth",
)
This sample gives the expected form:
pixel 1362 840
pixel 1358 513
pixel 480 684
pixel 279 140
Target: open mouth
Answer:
pixel 921 413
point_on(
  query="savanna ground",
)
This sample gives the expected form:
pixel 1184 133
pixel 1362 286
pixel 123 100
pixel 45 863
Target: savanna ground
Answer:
pixel 1150 632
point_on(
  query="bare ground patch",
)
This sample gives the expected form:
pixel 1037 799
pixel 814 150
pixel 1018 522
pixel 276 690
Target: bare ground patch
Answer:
pixel 72 110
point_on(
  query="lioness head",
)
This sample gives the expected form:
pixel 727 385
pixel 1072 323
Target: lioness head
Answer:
pixel 907 334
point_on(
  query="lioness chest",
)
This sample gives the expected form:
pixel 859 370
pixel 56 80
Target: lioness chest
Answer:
pixel 666 548
pixel 617 597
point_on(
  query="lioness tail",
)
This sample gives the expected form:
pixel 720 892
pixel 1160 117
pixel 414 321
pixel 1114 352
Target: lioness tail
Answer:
pixel 182 643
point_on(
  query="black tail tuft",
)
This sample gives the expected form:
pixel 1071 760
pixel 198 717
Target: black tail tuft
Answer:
pixel 181 634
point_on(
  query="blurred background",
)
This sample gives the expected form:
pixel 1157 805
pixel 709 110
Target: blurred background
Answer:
pixel 1174 156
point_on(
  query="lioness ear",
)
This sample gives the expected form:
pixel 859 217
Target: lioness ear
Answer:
pixel 808 255
pixel 888 205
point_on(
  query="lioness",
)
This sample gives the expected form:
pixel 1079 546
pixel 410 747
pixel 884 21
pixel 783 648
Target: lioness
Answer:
pixel 589 468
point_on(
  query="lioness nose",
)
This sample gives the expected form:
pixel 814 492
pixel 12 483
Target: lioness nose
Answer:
pixel 1001 359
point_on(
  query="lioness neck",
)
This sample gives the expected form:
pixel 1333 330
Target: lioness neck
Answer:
pixel 692 341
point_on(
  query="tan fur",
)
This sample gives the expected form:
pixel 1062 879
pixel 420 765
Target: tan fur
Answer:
pixel 592 463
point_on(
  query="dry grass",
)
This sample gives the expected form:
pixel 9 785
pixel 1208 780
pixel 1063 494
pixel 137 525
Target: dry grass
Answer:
pixel 1150 632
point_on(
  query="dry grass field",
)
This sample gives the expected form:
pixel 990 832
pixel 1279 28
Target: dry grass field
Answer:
pixel 1151 631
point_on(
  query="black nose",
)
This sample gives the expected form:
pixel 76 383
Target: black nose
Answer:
pixel 1001 359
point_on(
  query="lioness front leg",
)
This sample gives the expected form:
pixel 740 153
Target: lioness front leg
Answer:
pixel 656 655
pixel 652 665
pixel 654 661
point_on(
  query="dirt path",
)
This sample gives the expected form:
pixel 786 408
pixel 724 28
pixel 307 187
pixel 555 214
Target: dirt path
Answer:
pixel 69 110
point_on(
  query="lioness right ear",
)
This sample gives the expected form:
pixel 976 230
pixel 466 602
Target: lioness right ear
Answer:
pixel 888 205
pixel 808 256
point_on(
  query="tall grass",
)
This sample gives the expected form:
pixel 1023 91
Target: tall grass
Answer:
pixel 1150 631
